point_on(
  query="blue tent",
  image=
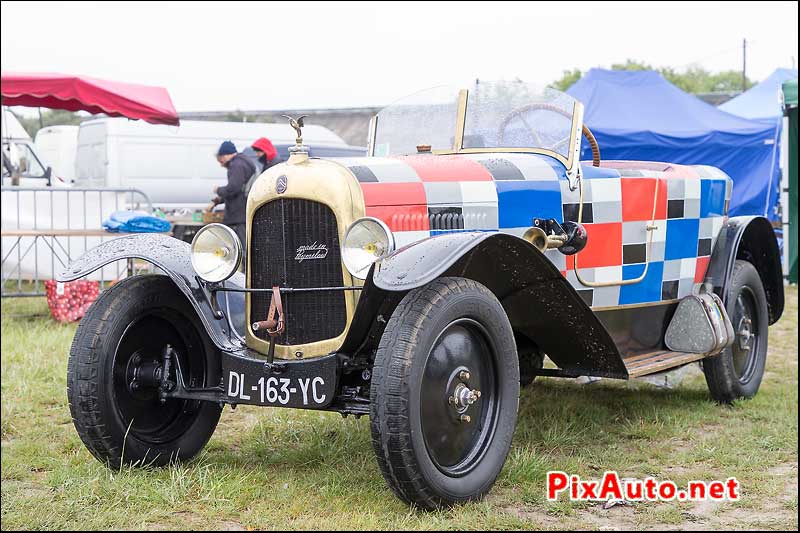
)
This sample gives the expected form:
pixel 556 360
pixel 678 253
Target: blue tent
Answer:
pixel 638 115
pixel 763 101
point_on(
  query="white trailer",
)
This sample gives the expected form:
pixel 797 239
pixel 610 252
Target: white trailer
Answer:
pixel 175 165
pixel 57 145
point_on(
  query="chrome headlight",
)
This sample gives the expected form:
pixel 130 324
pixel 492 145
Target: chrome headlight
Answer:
pixel 366 240
pixel 216 252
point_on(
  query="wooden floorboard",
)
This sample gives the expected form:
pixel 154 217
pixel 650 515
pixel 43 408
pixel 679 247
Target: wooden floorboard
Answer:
pixel 644 364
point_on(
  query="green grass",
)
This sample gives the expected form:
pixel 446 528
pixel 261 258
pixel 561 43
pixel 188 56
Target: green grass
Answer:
pixel 282 469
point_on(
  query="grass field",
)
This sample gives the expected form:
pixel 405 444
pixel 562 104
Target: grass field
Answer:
pixel 281 469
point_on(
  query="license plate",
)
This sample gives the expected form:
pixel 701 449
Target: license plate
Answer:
pixel 302 384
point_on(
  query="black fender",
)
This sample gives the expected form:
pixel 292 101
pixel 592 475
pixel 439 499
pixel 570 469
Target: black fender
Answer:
pixel 539 301
pixel 173 257
pixel 750 238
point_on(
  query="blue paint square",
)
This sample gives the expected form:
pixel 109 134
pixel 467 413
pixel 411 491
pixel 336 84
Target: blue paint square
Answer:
pixel 647 290
pixel 682 235
pixel 519 202
pixel 712 198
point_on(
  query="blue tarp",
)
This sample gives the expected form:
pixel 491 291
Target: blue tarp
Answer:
pixel 638 115
pixel 135 222
pixel 762 101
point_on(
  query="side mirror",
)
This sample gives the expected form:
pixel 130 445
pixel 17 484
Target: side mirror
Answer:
pixel 48 175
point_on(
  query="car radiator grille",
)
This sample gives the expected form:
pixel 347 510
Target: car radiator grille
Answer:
pixel 295 243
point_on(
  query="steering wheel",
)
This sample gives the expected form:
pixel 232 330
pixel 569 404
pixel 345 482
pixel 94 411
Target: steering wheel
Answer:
pixel 550 107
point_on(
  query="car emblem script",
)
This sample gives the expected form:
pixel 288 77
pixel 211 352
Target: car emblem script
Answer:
pixel 281 183
pixel 311 251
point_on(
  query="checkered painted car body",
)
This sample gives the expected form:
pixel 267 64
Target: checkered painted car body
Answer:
pixel 426 195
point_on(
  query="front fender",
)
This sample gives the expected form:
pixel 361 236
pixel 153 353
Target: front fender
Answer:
pixel 752 239
pixel 173 257
pixel 540 303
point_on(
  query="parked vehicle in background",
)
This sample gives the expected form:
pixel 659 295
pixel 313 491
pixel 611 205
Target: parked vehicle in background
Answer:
pixel 21 164
pixel 174 165
pixel 57 145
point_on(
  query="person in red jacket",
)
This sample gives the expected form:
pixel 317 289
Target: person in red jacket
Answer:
pixel 264 156
pixel 266 152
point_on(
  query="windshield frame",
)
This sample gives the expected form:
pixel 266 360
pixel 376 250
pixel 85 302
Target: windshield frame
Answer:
pixel 569 162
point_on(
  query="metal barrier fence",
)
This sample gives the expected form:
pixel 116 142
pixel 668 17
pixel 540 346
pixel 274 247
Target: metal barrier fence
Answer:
pixel 43 229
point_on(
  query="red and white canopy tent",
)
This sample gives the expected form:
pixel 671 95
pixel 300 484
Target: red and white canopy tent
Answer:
pixel 82 93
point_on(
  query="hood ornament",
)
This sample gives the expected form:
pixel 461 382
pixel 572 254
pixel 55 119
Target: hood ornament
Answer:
pixel 297 124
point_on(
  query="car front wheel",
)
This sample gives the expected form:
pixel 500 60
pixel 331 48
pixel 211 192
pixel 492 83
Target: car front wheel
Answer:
pixel 113 375
pixel 444 394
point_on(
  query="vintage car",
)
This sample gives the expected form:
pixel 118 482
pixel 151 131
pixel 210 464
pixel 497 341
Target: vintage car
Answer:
pixel 422 286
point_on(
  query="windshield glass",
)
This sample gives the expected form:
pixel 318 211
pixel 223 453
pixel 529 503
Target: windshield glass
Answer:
pixel 498 115
pixel 424 118
pixel 21 159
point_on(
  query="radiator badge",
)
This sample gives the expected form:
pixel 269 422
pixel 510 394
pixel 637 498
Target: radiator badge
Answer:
pixel 281 183
pixel 311 251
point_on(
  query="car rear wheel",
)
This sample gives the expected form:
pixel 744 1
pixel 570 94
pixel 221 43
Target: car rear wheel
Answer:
pixel 444 394
pixel 737 371
pixel 113 375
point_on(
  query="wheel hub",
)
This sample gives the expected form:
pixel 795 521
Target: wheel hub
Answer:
pixel 463 397
pixel 744 333
pixel 143 375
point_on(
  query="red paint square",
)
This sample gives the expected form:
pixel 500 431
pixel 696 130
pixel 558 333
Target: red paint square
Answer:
pixel 701 268
pixel 637 199
pixel 405 193
pixel 603 246
pixel 447 168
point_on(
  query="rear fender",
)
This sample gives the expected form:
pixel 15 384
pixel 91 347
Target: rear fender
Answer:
pixel 173 257
pixel 539 301
pixel 751 239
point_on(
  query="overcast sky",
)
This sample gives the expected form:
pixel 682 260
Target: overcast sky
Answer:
pixel 228 55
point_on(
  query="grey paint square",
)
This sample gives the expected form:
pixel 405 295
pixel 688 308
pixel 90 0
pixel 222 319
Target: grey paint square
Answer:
pixel 706 228
pixel 557 258
pixel 586 273
pixel 480 217
pixel 573 197
pixel 676 189
pixel 606 212
pixel 606 296
pixel 672 269
pixel 691 208
pixel 443 193
pixel 657 251
pixel 634 232
pixel 394 171
pixel 685 287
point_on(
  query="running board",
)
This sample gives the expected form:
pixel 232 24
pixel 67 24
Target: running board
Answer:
pixel 654 362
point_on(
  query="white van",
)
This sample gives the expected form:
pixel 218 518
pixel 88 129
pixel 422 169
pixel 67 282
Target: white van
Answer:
pixel 57 145
pixel 175 165
pixel 21 164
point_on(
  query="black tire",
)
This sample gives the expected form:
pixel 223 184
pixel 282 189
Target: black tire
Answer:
pixel 736 372
pixel 131 322
pixel 428 455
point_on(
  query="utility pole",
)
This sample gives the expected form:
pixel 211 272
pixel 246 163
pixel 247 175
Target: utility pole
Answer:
pixel 744 65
